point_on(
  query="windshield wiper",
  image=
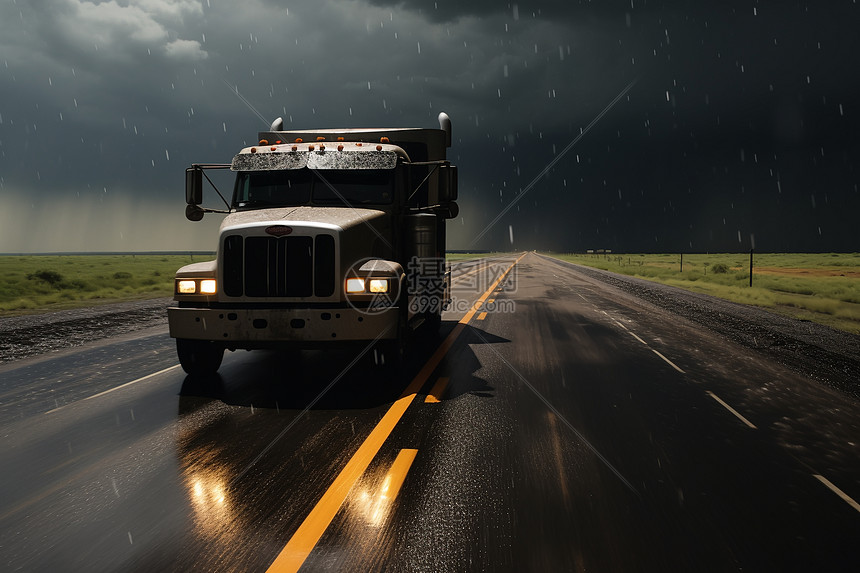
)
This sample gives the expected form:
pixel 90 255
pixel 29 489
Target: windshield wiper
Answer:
pixel 257 203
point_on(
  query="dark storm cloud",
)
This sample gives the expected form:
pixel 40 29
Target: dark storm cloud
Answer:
pixel 741 118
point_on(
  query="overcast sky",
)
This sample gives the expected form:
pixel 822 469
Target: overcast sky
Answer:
pixel 738 127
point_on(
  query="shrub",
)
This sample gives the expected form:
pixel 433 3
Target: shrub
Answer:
pixel 119 275
pixel 50 277
pixel 719 268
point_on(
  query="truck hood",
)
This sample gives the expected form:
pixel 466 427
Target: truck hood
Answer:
pixel 342 217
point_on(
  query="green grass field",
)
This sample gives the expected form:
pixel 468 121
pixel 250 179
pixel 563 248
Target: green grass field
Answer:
pixel 36 283
pixel 823 288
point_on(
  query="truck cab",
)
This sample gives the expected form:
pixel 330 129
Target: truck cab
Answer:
pixel 331 236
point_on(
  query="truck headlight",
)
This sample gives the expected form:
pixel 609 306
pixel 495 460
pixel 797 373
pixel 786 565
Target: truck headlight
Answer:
pixel 197 286
pixel 378 285
pixel 354 285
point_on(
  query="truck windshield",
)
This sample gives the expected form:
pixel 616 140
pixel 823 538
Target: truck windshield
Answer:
pixel 355 187
pixel 281 188
pixel 293 187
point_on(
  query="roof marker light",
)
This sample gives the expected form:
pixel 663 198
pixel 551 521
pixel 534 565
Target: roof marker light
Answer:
pixel 384 140
pixel 341 138
pixel 264 142
pixel 298 140
pixel 320 138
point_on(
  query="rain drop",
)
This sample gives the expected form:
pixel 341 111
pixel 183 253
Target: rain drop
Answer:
pixel 167 154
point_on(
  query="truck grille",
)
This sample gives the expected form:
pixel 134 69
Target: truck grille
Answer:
pixel 293 266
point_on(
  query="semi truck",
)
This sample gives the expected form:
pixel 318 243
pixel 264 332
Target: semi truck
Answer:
pixel 331 237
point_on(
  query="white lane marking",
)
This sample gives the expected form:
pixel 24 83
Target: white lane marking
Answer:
pixel 845 497
pixel 174 367
pixel 148 376
pixel 669 362
pixel 633 334
pixel 732 410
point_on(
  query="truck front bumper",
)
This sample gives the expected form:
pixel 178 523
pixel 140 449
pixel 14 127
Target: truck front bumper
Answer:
pixel 259 328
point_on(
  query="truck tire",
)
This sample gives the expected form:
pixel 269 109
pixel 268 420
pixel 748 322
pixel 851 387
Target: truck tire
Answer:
pixel 433 322
pixel 199 357
pixel 388 354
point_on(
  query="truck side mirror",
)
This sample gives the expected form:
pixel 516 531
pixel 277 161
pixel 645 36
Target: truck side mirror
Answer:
pixel 452 210
pixel 193 212
pixel 194 186
pixel 447 183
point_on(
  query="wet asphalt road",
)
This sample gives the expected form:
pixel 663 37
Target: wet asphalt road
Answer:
pixel 570 428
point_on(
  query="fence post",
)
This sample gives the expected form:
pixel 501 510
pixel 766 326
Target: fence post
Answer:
pixel 751 265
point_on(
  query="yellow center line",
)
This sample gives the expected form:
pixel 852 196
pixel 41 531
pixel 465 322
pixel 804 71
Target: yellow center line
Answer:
pixel 294 554
pixel 397 473
pixel 438 390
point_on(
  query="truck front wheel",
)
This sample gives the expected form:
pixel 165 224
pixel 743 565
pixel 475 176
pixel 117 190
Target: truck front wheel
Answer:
pixel 199 357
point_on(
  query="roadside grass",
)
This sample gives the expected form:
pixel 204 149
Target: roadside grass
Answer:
pixel 469 256
pixel 36 283
pixel 39 283
pixel 823 288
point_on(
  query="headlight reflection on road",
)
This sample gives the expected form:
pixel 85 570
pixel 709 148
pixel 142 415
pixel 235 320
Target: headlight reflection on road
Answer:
pixel 213 513
pixel 374 505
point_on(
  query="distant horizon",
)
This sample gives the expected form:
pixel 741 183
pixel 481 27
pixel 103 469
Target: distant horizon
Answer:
pixel 453 251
